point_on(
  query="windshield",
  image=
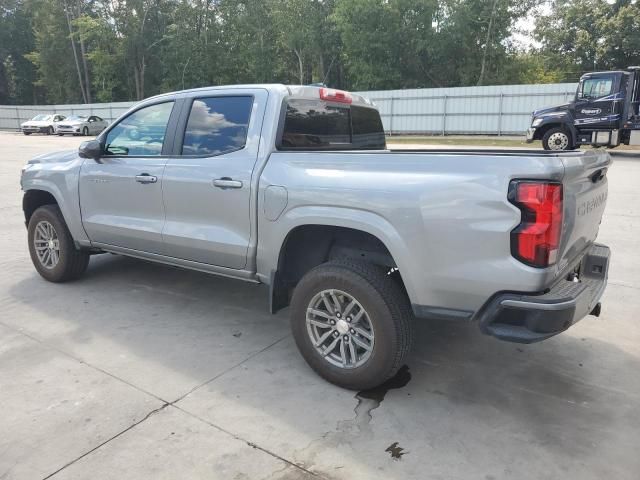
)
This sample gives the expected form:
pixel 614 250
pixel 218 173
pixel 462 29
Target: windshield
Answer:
pixel 41 118
pixel 73 118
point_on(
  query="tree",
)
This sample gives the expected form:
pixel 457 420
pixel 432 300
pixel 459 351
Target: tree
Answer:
pixel 80 50
pixel 17 74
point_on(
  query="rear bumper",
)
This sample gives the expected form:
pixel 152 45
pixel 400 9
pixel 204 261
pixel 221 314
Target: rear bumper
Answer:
pixel 528 318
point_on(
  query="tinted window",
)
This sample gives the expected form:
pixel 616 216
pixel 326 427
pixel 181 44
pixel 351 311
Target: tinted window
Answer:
pixel 141 133
pixel 217 125
pixel 315 124
pixel 368 131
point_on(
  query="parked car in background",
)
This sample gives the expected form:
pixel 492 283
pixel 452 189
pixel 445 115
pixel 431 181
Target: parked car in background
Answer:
pixel 43 123
pixel 81 125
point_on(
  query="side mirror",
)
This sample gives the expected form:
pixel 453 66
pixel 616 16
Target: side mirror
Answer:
pixel 90 149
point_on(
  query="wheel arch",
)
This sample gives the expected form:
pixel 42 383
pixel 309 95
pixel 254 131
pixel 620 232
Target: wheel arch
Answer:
pixel 311 241
pixel 36 198
pixel 545 127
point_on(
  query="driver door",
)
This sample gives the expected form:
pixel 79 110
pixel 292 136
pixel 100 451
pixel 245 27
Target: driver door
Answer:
pixel 596 102
pixel 121 193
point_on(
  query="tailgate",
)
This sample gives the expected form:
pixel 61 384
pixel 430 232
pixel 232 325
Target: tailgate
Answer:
pixel 585 197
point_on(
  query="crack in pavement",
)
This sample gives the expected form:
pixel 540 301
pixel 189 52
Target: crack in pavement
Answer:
pixel 152 412
pixel 165 403
pixel 250 443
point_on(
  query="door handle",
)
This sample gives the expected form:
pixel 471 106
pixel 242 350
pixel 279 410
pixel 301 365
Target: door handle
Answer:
pixel 226 182
pixel 146 178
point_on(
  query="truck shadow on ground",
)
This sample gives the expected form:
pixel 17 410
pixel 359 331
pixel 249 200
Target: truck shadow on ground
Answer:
pixel 470 398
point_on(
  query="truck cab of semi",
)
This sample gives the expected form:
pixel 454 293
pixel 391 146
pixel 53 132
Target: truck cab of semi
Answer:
pixel 604 113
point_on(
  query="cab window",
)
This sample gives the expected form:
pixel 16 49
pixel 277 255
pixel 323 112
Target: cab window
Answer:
pixel 311 124
pixel 140 134
pixel 217 125
pixel 316 124
pixel 596 87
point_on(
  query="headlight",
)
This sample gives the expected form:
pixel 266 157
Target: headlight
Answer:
pixel 536 122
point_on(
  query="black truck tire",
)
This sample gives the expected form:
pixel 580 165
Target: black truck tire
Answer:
pixel 51 246
pixel 385 325
pixel 558 139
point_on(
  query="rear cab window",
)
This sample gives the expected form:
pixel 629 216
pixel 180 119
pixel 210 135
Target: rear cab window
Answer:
pixel 314 124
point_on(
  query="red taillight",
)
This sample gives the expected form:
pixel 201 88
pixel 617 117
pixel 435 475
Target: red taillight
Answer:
pixel 537 239
pixel 332 95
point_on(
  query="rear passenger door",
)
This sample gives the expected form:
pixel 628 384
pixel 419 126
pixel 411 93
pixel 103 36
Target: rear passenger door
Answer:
pixel 207 182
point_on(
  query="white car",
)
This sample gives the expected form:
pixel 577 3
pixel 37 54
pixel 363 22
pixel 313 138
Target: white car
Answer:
pixel 43 123
pixel 81 125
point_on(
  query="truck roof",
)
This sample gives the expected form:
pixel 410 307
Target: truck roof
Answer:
pixel 298 91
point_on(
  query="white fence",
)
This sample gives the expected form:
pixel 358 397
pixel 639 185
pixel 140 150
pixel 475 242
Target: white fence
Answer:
pixel 494 110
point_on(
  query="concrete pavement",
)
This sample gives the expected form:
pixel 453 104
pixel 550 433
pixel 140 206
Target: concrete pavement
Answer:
pixel 145 371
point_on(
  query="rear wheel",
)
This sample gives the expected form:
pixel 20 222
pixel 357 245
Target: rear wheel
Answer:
pixel 51 246
pixel 557 139
pixel 351 323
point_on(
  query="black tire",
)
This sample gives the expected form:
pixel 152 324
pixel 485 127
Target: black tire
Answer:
pixel 50 131
pixel 61 134
pixel 388 310
pixel 550 143
pixel 27 133
pixel 85 132
pixel 72 262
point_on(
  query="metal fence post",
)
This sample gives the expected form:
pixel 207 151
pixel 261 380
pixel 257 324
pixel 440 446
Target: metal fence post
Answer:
pixel 444 115
pixel 391 116
pixel 18 117
pixel 500 114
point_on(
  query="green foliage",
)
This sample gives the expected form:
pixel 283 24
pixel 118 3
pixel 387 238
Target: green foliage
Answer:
pixel 89 50
pixel 585 35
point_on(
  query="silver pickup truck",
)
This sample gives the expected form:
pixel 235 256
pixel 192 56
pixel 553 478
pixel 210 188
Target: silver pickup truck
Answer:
pixel 293 187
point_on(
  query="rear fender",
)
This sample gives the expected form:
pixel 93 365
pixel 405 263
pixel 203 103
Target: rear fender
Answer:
pixel 273 239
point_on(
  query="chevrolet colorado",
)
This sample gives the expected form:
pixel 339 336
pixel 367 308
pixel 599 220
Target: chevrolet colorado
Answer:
pixel 293 187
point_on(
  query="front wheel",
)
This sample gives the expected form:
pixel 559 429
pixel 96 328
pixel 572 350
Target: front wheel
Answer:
pixel 51 246
pixel 557 139
pixel 352 323
pixel 85 132
pixel 50 131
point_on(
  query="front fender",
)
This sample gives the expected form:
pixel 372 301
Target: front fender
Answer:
pixel 62 184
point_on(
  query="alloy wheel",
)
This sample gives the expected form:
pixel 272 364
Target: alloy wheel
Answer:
pixel 340 329
pixel 47 244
